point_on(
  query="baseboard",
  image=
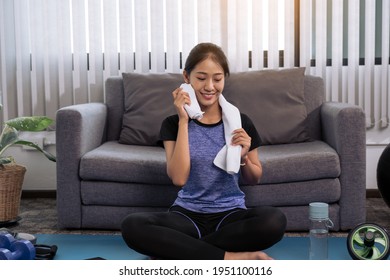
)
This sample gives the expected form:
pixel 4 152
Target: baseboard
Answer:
pixel 373 193
pixel 39 194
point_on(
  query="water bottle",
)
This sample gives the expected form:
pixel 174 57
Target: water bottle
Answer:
pixel 319 229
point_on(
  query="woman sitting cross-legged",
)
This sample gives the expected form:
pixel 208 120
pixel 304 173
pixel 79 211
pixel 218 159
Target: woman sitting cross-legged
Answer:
pixel 209 218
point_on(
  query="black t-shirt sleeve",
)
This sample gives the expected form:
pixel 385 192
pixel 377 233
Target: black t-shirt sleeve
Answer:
pixel 169 129
pixel 250 128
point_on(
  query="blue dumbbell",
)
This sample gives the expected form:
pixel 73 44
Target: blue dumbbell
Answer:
pixel 11 249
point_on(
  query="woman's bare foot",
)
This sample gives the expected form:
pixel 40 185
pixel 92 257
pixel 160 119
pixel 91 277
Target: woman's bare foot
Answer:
pixel 247 256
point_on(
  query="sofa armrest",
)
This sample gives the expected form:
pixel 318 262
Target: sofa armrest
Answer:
pixel 343 128
pixel 79 129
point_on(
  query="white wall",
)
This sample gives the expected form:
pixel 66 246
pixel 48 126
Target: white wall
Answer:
pixel 41 172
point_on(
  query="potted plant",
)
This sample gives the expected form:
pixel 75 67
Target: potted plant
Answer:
pixel 12 174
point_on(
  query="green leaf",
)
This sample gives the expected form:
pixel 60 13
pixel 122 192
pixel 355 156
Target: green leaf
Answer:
pixel 35 123
pixel 30 144
pixel 8 137
pixel 6 160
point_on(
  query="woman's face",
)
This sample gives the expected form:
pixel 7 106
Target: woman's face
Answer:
pixel 208 80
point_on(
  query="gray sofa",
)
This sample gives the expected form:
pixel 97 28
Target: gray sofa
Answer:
pixel 109 165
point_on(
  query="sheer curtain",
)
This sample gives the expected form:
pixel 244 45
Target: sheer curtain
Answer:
pixel 347 43
pixel 55 53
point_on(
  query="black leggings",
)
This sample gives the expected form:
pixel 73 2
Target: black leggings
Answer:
pixel 182 234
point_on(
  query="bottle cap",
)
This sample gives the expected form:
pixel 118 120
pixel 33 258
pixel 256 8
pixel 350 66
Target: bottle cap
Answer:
pixel 318 210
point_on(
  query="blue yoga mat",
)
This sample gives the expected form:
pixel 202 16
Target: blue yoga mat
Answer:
pixel 112 247
pixel 297 248
pixel 80 247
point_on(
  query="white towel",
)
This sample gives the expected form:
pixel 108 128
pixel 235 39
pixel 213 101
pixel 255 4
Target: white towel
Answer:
pixel 193 110
pixel 229 157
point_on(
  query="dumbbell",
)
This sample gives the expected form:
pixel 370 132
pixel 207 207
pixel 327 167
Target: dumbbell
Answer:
pixel 11 249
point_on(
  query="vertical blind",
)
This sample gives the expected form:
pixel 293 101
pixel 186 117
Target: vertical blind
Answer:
pixel 55 53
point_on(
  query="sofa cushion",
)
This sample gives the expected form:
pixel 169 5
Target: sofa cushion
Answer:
pixel 284 194
pixel 274 100
pixel 148 101
pixel 115 162
pixel 293 193
pixel 127 194
pixel 298 162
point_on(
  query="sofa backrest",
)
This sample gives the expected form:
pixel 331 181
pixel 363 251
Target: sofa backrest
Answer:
pixel 115 101
pixel 314 96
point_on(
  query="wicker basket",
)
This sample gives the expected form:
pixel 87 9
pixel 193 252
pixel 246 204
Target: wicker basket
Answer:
pixel 11 182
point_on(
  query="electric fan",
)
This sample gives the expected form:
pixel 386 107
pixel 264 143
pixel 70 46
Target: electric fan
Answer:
pixel 368 242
